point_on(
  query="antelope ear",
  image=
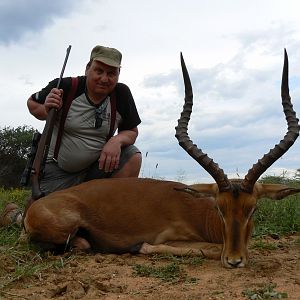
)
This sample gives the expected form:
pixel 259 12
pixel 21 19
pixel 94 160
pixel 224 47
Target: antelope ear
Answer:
pixel 274 191
pixel 206 188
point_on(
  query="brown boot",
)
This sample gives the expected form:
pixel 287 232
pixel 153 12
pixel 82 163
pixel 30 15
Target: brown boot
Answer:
pixel 10 215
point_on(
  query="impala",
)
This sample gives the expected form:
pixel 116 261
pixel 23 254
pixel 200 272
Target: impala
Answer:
pixel 140 215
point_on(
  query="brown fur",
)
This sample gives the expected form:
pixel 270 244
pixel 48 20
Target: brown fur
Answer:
pixel 126 215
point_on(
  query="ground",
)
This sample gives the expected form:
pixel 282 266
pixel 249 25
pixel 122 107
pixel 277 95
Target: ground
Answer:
pixel 273 273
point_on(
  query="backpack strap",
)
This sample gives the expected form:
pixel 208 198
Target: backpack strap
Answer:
pixel 113 108
pixel 64 114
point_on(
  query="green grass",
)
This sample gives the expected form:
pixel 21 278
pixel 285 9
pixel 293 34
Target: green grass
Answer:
pixel 9 235
pixel 169 272
pixel 186 260
pixel 22 262
pixel 18 196
pixel 277 217
pixel 266 292
pixel 169 268
pixel 262 245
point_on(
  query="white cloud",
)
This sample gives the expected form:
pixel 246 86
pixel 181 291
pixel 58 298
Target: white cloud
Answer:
pixel 234 55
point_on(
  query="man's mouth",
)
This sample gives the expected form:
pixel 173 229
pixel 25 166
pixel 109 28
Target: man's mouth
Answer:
pixel 102 86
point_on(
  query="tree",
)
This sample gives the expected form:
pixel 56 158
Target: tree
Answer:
pixel 15 144
pixel 297 175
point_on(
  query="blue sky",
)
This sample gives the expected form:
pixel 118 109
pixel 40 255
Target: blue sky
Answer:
pixel 233 50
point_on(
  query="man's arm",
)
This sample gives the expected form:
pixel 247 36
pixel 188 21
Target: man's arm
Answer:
pixel 37 109
pixel 40 110
pixel 126 137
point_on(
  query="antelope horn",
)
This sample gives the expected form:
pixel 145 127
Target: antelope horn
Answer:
pixel 184 141
pixel 293 132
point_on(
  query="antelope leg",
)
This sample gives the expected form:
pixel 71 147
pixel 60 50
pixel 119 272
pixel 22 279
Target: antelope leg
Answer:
pixel 208 250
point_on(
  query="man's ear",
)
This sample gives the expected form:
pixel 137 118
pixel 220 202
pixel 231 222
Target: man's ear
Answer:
pixel 88 65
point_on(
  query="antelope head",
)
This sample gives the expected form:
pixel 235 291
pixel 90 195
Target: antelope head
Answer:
pixel 235 200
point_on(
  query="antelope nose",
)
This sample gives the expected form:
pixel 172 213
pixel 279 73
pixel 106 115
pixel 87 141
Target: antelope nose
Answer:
pixel 235 262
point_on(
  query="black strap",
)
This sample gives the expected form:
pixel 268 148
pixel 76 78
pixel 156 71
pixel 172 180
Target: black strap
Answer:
pixel 64 114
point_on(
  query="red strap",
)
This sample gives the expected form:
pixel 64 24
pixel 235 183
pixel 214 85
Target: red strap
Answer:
pixel 113 109
pixel 64 114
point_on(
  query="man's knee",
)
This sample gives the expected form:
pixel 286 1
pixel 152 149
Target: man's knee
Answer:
pixel 136 162
pixel 131 168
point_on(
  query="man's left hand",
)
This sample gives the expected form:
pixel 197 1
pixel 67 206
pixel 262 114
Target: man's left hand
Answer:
pixel 110 155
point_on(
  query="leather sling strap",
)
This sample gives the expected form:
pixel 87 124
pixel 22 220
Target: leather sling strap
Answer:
pixel 65 110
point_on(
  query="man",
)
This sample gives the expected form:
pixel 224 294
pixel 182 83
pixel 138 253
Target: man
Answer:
pixel 88 148
pixel 86 152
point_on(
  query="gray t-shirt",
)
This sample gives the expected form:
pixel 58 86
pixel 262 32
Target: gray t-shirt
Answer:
pixel 81 142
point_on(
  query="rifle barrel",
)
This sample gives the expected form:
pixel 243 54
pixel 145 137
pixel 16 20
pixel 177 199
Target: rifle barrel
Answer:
pixel 64 66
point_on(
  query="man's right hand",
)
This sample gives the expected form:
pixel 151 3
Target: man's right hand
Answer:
pixel 54 99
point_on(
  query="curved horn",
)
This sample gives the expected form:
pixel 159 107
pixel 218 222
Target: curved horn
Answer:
pixel 293 131
pixel 184 141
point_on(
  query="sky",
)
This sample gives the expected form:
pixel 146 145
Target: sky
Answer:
pixel 233 51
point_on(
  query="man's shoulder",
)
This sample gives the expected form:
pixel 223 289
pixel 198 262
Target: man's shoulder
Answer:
pixel 67 81
pixel 123 90
pixel 122 86
pixel 80 84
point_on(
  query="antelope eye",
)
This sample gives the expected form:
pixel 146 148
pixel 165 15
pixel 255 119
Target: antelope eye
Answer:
pixel 220 212
pixel 249 212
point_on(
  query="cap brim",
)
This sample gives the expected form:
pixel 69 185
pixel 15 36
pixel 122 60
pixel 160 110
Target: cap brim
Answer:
pixel 108 61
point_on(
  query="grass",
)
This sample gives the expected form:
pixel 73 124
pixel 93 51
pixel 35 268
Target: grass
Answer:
pixel 277 217
pixel 186 260
pixel 262 245
pixel 169 268
pixel 169 272
pixel 266 292
pixel 18 196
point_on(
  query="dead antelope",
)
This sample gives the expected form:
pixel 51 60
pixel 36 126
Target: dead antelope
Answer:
pixel 146 216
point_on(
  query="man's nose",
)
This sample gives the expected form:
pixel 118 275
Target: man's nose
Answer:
pixel 104 77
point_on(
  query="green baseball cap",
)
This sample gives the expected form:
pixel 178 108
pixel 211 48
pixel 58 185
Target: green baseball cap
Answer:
pixel 106 55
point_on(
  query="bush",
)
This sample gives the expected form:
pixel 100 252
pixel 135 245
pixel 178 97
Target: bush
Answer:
pixel 278 216
pixel 15 144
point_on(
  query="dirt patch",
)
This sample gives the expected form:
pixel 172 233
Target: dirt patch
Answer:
pixel 120 277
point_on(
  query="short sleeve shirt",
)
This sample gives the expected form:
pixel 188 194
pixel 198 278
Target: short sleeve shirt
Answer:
pixel 81 142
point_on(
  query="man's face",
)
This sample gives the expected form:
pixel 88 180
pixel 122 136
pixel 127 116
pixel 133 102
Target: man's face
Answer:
pixel 101 80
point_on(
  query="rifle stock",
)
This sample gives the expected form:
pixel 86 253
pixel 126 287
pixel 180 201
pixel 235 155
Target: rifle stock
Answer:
pixel 44 144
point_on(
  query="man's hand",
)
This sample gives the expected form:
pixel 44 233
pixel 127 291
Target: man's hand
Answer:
pixel 110 155
pixel 54 99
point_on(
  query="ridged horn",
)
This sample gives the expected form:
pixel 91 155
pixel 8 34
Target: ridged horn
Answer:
pixel 184 141
pixel 290 137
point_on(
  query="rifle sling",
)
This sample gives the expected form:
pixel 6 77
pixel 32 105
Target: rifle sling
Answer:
pixel 65 110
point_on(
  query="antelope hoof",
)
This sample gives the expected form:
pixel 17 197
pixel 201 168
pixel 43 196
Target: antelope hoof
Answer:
pixel 79 243
pixel 146 249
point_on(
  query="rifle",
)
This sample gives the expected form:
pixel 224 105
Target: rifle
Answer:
pixel 25 178
pixel 43 146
